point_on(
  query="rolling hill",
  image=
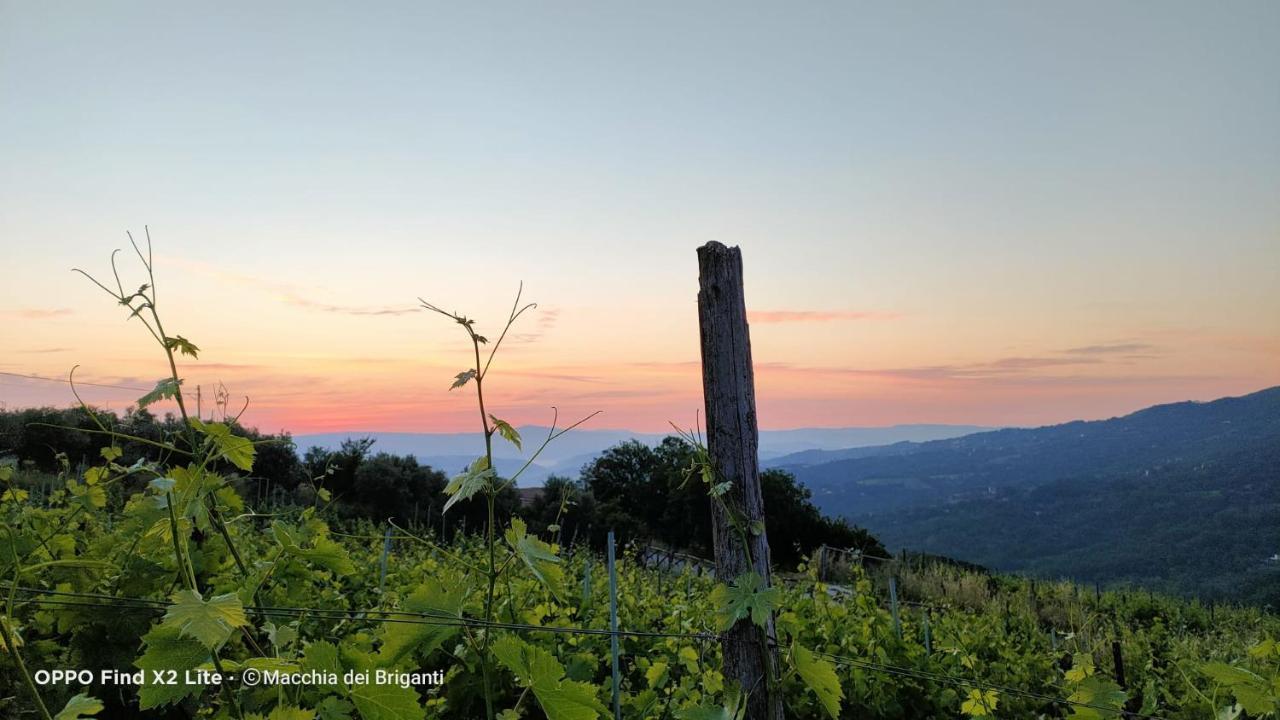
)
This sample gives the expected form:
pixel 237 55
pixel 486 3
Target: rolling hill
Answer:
pixel 1182 497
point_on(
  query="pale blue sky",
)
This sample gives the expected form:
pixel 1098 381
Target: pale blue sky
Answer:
pixel 1009 179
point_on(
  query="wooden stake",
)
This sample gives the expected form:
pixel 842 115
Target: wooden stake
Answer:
pixel 728 384
pixel 613 630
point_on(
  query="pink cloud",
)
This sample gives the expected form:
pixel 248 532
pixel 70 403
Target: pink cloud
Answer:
pixel 794 316
pixel 42 313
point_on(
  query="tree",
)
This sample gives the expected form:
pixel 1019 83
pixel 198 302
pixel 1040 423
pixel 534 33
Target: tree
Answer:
pixel 390 486
pixel 565 503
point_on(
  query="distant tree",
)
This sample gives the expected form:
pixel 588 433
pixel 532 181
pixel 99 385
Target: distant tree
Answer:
pixel 390 486
pixel 646 494
pixel 545 510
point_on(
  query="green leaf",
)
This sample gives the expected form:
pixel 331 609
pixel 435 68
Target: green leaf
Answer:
pixel 333 708
pixel 656 673
pixel 980 703
pixel 819 675
pixel 322 657
pixel 1257 701
pixel 1098 690
pixel 182 345
pixel 507 432
pixel 284 712
pixel 79 707
pixel 1230 675
pixel 734 708
pixel 467 484
pixel 748 597
pixel 538 670
pixel 238 451
pixel 386 702
pixel 537 556
pixel 167 651
pixel 210 622
pixel 399 639
pixel 323 551
pixel 461 379
pixel 14 495
pixel 165 389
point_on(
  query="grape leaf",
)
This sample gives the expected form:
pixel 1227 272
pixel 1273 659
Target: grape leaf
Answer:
pixel 463 486
pixel 507 432
pixel 165 389
pixel 538 670
pixel 747 597
pixel 79 707
pixel 239 451
pixel 399 639
pixel 210 621
pixel 386 702
pixel 182 345
pixel 820 677
pixel 168 651
pixel 980 703
pixel 537 556
pixel 461 379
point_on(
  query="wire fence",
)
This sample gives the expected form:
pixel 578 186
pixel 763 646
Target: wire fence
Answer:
pixel 41 596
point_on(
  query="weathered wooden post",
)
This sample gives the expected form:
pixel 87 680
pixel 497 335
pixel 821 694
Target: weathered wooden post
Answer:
pixel 1117 658
pixel 893 606
pixel 728 386
pixel 613 630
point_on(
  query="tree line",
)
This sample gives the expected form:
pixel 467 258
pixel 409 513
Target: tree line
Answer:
pixel 644 494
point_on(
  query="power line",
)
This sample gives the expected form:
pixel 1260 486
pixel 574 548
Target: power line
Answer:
pixel 67 381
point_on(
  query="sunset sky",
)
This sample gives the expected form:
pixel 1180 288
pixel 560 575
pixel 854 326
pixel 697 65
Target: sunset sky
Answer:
pixel 991 213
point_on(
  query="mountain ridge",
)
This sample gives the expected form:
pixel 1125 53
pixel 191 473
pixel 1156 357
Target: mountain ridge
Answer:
pixel 1140 498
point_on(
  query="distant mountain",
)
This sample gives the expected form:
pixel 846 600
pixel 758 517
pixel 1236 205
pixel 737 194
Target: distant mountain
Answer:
pixel 567 455
pixel 1184 497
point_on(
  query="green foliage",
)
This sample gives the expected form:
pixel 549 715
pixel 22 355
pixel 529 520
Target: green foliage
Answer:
pixel 165 389
pixel 538 556
pixel 237 450
pixel 819 675
pixel 748 597
pixel 79 707
pixel 479 476
pixel 167 651
pixel 507 432
pixel 538 670
pixel 209 621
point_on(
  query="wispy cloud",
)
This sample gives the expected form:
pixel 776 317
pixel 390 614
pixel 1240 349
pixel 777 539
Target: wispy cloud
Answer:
pixel 289 292
pixel 1111 349
pixel 1000 367
pixel 42 351
pixel 41 313
pixel 365 310
pixel 765 317
pixel 547 318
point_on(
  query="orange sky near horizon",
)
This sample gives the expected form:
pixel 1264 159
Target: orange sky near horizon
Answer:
pixel 309 362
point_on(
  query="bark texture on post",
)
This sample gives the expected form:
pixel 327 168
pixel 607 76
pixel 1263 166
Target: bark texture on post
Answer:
pixel 728 385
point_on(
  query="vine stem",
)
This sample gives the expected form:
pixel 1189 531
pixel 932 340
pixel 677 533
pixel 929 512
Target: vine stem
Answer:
pixel 10 644
pixel 12 648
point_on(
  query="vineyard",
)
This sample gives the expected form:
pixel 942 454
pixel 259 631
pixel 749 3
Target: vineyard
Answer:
pixel 173 598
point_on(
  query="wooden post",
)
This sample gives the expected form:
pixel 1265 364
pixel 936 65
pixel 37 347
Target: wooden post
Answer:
pixel 928 635
pixel 1118 658
pixel 728 385
pixel 893 606
pixel 613 630
pixel 386 550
